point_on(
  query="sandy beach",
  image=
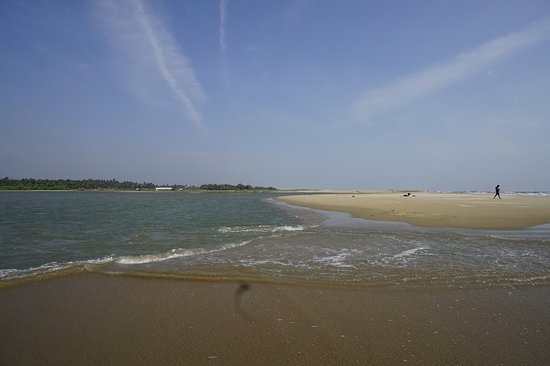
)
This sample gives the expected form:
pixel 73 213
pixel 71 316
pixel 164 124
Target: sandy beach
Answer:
pixel 285 294
pixel 95 319
pixel 460 210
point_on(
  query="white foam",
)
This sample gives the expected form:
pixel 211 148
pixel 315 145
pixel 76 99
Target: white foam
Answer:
pixel 337 260
pixel 409 252
pixel 288 228
pixel 259 228
pixel 174 253
pixel 263 262
pixel 10 273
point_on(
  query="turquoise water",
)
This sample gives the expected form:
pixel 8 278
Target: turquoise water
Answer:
pixel 251 235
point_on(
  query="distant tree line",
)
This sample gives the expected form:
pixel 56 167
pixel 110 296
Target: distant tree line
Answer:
pixel 238 187
pixel 113 184
pixel 71 184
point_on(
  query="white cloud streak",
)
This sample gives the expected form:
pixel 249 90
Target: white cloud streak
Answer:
pixel 439 77
pixel 223 9
pixel 150 55
pixel 223 61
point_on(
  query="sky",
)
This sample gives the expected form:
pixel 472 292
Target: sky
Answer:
pixel 354 94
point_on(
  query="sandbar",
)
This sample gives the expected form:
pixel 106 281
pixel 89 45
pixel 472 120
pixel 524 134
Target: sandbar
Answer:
pixel 459 210
pixel 97 319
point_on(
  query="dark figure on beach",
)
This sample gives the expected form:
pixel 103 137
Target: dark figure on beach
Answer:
pixel 243 287
pixel 497 191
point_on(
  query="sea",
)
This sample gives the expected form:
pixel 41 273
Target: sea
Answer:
pixel 251 236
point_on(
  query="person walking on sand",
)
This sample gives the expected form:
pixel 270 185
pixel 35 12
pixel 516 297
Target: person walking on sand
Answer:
pixel 497 192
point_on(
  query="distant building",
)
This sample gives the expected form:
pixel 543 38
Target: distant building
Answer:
pixel 163 189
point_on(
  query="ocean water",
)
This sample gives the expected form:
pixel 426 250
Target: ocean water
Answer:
pixel 251 236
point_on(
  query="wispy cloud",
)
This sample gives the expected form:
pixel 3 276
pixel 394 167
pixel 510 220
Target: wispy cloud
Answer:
pixel 149 55
pixel 223 9
pixel 295 11
pixel 223 61
pixel 439 77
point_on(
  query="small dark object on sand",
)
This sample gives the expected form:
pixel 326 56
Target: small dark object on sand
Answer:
pixel 243 287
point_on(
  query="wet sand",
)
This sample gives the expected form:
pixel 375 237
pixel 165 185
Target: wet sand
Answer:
pixel 95 319
pixel 460 210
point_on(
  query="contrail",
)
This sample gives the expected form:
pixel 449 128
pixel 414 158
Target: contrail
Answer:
pixel 152 54
pixel 223 8
pixel 441 76
pixel 223 61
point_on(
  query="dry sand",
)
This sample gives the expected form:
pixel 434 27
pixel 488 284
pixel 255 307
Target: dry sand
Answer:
pixel 461 210
pixel 94 319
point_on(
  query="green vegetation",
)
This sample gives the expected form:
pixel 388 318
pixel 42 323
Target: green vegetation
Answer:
pixel 113 184
pixel 71 184
pixel 238 187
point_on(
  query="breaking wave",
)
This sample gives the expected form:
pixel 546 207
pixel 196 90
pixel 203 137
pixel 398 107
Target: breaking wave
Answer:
pixel 89 265
pixel 174 253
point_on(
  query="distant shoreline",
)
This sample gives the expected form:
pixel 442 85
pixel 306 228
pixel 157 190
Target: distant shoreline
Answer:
pixel 33 184
pixel 144 190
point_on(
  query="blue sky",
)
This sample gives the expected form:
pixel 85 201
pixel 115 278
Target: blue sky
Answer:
pixel 439 95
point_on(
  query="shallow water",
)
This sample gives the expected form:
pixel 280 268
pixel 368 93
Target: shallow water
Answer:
pixel 250 235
